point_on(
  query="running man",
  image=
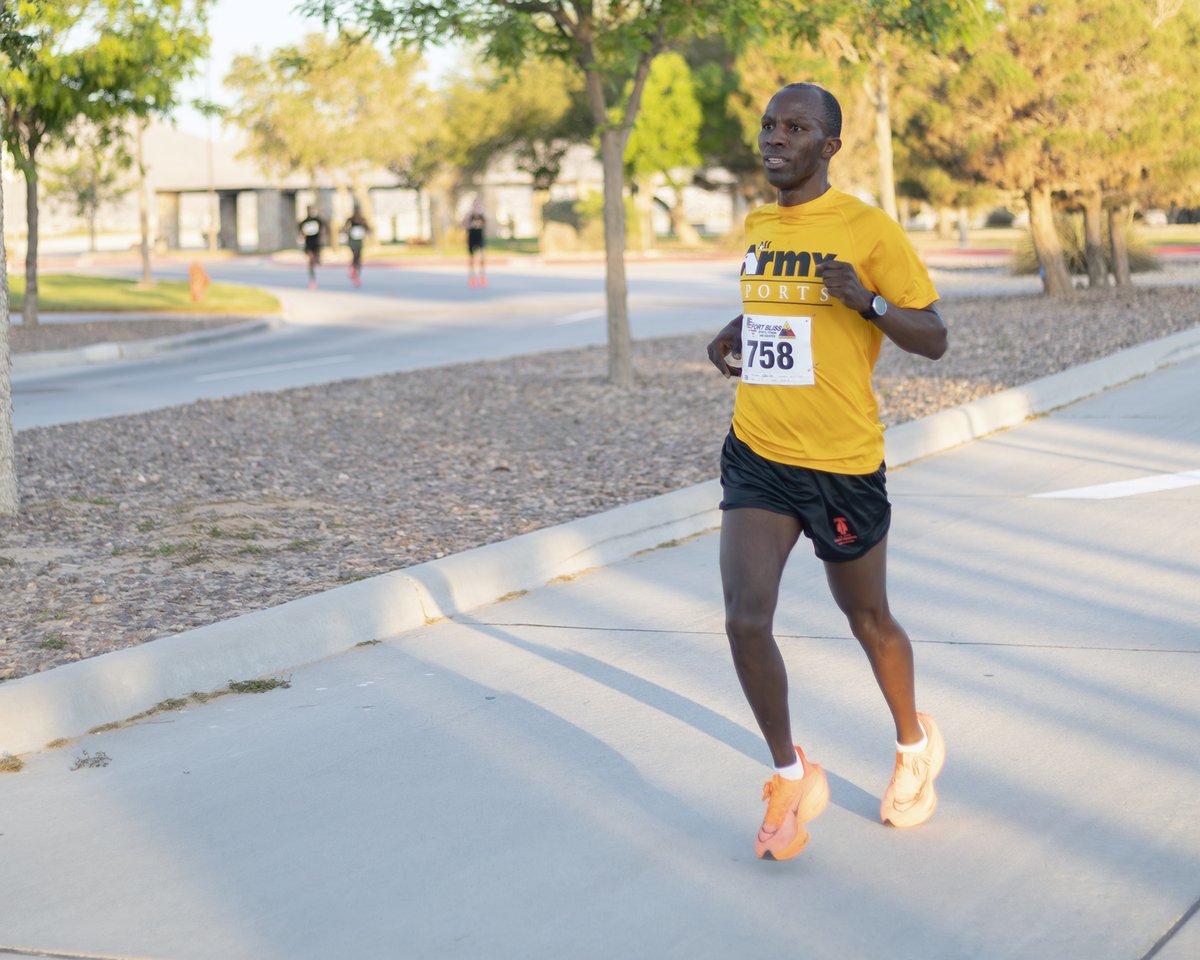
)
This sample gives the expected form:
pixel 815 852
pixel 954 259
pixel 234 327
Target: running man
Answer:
pixel 475 223
pixel 825 278
pixel 356 230
pixel 312 232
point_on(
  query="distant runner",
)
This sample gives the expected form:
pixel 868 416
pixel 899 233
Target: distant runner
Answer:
pixel 356 231
pixel 312 232
pixel 476 223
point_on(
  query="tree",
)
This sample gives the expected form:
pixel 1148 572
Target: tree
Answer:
pixel 123 58
pixel 611 44
pixel 666 136
pixel 90 175
pixel 15 49
pixel 1038 108
pixel 8 458
pixel 1148 152
pixel 326 106
pixel 547 115
pixel 871 38
pixel 721 141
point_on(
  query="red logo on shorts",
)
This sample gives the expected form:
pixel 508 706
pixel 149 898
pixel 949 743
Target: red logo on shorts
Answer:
pixel 842 528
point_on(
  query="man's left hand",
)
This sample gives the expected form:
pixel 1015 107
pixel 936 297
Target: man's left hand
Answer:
pixel 841 280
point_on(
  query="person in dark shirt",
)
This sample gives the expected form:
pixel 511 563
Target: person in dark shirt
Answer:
pixel 476 223
pixel 312 233
pixel 356 230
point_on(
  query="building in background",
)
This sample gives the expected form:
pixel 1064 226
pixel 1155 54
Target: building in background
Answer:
pixel 198 185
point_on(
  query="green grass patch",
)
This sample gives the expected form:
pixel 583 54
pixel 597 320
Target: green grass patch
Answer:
pixel 52 641
pixel 181 554
pixel 68 292
pixel 259 686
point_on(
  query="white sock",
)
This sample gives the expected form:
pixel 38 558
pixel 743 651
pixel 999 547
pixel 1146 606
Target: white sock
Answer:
pixel 793 771
pixel 914 747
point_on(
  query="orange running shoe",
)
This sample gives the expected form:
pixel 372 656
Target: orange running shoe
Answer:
pixel 910 798
pixel 790 804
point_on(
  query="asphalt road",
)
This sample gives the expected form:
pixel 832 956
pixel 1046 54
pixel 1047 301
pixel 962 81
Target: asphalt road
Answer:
pixel 401 319
pixel 416 317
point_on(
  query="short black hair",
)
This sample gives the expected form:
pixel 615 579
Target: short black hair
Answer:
pixel 832 119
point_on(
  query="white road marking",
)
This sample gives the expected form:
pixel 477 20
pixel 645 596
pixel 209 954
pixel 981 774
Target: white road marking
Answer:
pixel 274 368
pixel 579 317
pixel 1128 488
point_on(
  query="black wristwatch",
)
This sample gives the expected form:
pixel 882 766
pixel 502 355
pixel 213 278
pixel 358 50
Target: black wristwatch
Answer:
pixel 876 310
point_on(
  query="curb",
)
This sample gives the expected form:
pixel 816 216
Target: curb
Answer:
pixel 67 701
pixel 96 353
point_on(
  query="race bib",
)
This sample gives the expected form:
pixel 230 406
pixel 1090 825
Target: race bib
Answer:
pixel 357 232
pixel 777 351
pixel 310 228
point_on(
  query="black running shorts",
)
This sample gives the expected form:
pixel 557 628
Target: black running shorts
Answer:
pixel 844 515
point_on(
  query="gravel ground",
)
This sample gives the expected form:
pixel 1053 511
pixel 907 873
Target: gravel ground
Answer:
pixel 137 527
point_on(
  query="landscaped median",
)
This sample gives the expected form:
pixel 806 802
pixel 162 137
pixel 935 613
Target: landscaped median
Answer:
pixel 98 319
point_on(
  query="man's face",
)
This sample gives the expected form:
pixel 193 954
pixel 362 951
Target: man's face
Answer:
pixel 792 139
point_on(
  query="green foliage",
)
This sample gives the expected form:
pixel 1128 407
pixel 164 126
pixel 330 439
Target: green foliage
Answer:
pixel 123 58
pixel 91 173
pixel 667 132
pixel 102 61
pixel 544 114
pixel 1058 97
pixel 332 105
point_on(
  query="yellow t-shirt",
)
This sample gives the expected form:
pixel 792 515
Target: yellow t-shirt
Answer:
pixel 806 398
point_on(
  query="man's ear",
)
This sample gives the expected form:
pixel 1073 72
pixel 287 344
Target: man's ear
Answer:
pixel 832 146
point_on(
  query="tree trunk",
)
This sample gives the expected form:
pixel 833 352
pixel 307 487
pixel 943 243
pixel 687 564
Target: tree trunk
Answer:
pixel 1118 240
pixel 642 238
pixel 29 311
pixel 8 458
pixel 91 223
pixel 1056 280
pixel 1093 239
pixel 620 345
pixel 883 132
pixel 540 199
pixel 143 207
pixel 214 215
pixel 944 225
pixel 964 227
pixel 684 232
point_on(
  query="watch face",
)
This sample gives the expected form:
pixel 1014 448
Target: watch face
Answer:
pixel 878 306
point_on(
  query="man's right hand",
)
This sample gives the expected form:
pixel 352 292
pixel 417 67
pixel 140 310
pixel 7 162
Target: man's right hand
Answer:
pixel 727 343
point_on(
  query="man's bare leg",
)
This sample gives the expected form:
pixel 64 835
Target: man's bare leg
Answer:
pixel 860 589
pixel 754 549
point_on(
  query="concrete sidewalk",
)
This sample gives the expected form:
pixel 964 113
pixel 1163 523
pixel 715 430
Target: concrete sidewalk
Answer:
pixel 573 771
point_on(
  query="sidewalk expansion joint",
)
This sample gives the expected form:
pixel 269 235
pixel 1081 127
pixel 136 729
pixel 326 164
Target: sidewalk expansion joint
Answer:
pixel 1174 929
